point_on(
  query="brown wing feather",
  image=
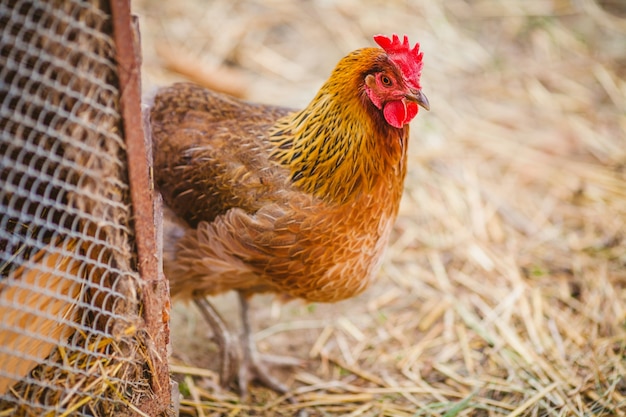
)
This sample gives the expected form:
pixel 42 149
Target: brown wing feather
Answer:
pixel 211 153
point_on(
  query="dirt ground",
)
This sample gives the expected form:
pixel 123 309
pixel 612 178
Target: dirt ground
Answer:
pixel 503 291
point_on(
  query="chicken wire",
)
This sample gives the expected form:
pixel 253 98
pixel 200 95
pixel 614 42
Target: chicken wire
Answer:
pixel 70 338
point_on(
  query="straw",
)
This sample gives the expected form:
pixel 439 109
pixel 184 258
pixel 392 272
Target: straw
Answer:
pixel 504 288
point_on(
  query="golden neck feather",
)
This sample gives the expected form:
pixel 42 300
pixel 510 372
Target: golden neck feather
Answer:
pixel 339 147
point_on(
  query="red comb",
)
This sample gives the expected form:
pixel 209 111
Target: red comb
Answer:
pixel 408 60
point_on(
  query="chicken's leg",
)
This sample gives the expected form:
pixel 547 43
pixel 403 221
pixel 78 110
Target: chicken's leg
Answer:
pixel 251 366
pixel 225 341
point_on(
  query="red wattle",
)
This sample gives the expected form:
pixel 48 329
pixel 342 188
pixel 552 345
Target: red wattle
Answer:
pixel 395 113
pixel 411 111
pixel 398 113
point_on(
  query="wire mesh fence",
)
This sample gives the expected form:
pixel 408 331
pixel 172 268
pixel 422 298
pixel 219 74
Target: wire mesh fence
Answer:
pixel 71 340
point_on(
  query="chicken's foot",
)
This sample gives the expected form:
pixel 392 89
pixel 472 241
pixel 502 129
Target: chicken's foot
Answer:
pixel 227 344
pixel 252 366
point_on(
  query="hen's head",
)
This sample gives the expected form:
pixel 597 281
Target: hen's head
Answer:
pixel 393 84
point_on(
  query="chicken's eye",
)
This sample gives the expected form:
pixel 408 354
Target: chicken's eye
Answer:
pixel 386 81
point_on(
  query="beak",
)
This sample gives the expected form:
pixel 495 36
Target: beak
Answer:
pixel 418 97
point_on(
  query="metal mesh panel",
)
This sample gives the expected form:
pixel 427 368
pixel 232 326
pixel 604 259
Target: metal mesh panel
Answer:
pixel 68 304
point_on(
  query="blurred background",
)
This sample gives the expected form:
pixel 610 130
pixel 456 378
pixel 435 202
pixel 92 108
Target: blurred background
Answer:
pixel 504 289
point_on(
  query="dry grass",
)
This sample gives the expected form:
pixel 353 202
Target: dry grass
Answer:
pixel 504 290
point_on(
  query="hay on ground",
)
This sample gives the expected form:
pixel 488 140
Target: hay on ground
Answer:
pixel 504 290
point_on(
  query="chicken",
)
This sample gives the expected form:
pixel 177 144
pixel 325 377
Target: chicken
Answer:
pixel 269 199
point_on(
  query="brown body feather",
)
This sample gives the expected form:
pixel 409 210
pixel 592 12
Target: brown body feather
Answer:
pixel 264 198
